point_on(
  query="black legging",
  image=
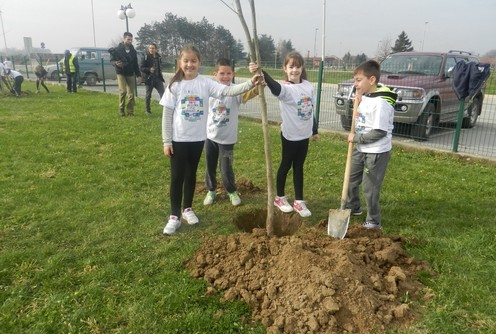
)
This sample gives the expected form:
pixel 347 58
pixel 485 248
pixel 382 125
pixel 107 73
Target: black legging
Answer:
pixel 294 154
pixel 184 164
pixel 42 82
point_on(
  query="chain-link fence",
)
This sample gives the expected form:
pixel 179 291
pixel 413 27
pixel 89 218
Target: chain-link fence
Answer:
pixel 427 98
pixel 436 111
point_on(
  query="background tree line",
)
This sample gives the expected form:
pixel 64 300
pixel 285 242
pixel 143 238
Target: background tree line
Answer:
pixel 212 41
pixel 216 41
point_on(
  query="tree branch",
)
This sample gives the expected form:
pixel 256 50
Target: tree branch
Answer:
pixel 228 6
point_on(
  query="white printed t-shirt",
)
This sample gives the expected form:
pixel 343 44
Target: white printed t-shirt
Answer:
pixel 296 103
pixel 222 123
pixel 190 101
pixel 375 113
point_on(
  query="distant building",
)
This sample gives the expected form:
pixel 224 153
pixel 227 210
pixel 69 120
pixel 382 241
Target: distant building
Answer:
pixel 329 61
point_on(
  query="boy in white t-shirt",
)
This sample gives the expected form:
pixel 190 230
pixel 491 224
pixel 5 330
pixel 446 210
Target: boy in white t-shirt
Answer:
pixel 222 134
pixel 373 133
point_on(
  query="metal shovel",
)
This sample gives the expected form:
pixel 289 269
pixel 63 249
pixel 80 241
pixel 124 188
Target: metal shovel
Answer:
pixel 339 219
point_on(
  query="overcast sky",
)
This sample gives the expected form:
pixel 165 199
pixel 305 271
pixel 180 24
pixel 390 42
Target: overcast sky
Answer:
pixel 357 26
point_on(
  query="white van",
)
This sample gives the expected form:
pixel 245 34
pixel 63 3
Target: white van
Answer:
pixel 90 65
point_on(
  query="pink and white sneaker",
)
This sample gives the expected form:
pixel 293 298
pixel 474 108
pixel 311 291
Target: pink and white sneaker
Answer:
pixel 283 204
pixel 301 208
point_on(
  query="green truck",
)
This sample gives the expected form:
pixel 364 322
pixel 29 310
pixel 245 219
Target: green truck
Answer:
pixel 90 65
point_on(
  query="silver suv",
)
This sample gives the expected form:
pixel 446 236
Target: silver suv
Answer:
pixel 425 91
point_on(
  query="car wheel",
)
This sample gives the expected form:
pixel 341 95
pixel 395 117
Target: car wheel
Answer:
pixel 55 75
pixel 473 113
pixel 346 122
pixel 91 80
pixel 423 128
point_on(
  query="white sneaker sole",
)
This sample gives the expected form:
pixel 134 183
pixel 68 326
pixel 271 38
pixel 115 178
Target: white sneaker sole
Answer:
pixel 285 210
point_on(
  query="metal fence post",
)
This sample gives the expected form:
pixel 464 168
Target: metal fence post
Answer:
pixel 319 89
pixel 103 76
pixel 458 125
pixel 26 63
pixel 58 68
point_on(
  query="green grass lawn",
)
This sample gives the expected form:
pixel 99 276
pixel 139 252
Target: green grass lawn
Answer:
pixel 84 195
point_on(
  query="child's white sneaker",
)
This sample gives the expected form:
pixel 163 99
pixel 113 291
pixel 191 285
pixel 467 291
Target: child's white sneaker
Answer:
pixel 301 208
pixel 209 199
pixel 235 199
pixel 172 225
pixel 283 204
pixel 190 216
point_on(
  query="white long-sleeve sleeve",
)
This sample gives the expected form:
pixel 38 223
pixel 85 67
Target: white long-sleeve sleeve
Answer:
pixel 167 116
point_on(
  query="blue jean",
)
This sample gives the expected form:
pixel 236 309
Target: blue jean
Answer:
pixel 368 170
pixel 71 82
pixel 159 86
pixel 219 153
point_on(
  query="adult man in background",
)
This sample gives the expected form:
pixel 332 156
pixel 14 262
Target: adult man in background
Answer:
pixel 71 67
pixel 125 59
pixel 152 74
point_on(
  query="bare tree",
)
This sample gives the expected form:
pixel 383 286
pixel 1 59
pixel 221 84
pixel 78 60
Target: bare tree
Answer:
pixel 255 57
pixel 384 48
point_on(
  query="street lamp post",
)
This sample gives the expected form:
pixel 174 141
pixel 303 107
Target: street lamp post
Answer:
pixel 321 64
pixel 126 12
pixel 425 30
pixel 3 32
pixel 93 18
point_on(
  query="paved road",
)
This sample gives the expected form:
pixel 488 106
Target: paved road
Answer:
pixel 478 141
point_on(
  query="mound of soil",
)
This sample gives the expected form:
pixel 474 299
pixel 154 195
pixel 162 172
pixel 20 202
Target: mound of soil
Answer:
pixel 307 282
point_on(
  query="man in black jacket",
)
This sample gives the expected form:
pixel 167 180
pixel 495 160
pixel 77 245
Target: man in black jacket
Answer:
pixel 125 59
pixel 152 73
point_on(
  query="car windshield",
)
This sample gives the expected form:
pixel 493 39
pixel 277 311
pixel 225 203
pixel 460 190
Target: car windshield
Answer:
pixel 412 64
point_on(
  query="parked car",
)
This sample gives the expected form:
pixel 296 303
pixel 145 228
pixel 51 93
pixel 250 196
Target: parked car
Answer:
pixel 90 65
pixel 426 96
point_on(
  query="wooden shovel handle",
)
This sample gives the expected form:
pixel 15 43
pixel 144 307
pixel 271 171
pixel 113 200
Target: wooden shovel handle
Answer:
pixel 347 170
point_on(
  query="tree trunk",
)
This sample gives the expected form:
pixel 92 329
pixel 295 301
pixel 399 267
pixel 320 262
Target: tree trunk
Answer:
pixel 255 52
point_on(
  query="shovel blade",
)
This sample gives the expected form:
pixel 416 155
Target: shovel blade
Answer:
pixel 337 224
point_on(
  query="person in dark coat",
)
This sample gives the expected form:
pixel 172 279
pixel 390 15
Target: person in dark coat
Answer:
pixel 125 59
pixel 41 75
pixel 71 68
pixel 152 74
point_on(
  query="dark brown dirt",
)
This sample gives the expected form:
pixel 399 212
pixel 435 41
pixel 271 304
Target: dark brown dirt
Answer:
pixel 303 281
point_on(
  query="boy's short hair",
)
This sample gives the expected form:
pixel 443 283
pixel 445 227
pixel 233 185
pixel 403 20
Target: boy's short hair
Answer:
pixel 369 68
pixel 223 62
pixel 128 34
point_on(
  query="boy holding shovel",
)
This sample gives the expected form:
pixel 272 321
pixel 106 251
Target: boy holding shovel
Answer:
pixel 373 133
